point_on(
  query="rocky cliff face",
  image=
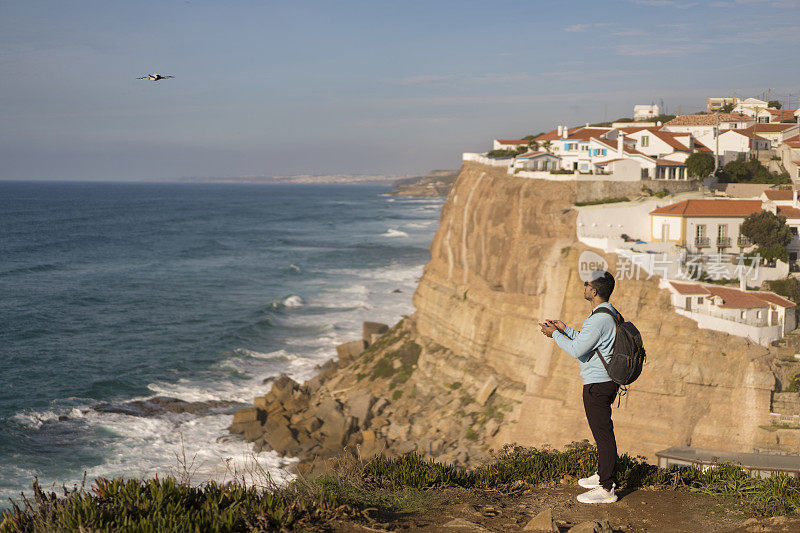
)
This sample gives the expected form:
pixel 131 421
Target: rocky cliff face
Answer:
pixel 470 369
pixel 505 256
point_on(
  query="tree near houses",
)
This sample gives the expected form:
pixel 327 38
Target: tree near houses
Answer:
pixel 774 104
pixel 769 233
pixel 699 165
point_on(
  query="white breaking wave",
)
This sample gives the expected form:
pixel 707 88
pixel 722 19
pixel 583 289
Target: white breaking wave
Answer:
pixel 293 301
pixel 325 316
pixel 35 419
pixel 391 232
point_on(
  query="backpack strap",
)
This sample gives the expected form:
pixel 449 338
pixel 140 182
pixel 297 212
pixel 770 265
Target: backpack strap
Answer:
pixel 617 319
pixel 616 316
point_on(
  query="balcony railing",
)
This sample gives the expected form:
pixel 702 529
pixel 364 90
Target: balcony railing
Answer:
pixel 701 241
pixel 743 241
pixel 723 241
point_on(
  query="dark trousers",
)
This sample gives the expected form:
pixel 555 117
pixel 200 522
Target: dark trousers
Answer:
pixel 597 400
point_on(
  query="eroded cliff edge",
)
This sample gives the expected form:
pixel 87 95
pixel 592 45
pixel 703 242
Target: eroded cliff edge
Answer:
pixel 469 369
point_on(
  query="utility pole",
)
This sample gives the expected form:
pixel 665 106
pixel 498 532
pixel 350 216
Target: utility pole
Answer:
pixel 752 135
pixel 716 150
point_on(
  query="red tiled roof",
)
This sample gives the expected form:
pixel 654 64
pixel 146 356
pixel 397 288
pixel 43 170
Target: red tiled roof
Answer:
pixel 609 161
pixel 533 154
pixel 745 132
pixel 701 147
pixel 732 298
pixel 779 194
pixel 774 127
pixel 702 207
pixel 633 129
pixel 782 114
pixel 613 144
pixel 736 299
pixel 773 298
pixel 514 141
pixel 688 288
pixel 789 212
pixel 707 120
pixel 668 163
pixel 581 133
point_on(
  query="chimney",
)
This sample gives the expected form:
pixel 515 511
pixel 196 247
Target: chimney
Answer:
pixel 658 123
pixel 565 133
pixel 587 124
pixel 620 143
pixel 743 282
pixel 794 198
pixel 560 129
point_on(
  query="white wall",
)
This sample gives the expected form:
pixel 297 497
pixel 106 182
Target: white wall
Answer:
pixel 661 223
pixel 612 220
pixel 480 158
pixel 763 336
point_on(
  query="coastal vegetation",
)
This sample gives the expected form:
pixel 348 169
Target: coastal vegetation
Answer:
pixel 751 171
pixel 699 165
pixel 610 200
pixel 368 491
pixel 769 233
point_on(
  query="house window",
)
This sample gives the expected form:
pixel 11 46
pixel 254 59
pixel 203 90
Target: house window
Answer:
pixel 699 300
pixel 758 315
pixel 700 231
pixel 722 231
pixel 793 230
pixel 741 314
pixel 645 141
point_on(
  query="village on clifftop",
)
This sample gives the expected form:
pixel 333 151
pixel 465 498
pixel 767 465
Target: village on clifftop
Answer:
pixel 710 183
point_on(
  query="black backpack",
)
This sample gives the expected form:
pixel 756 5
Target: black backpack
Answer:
pixel 627 355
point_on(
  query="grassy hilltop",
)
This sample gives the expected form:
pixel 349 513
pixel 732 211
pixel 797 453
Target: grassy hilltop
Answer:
pixel 409 492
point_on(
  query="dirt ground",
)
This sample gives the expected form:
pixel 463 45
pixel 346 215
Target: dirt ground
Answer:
pixel 652 510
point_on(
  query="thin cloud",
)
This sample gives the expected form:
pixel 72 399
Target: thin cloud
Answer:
pixel 460 79
pixel 665 3
pixel 656 50
pixel 576 28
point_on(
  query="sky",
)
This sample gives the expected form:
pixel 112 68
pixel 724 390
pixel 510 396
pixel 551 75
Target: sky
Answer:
pixel 360 87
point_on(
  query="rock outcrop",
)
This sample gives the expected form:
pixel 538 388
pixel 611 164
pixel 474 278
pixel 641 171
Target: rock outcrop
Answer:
pixel 469 370
pixel 436 183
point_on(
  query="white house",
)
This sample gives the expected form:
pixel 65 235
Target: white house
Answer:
pixel 775 133
pixel 572 145
pixel 700 125
pixel 734 144
pixel 537 161
pixel 762 317
pixel 789 152
pixel 657 143
pixel 645 112
pixel 779 115
pixel 509 144
pixel 785 203
pixel 751 107
pixel 704 225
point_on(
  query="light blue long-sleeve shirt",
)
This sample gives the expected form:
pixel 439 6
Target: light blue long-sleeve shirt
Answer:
pixel 598 331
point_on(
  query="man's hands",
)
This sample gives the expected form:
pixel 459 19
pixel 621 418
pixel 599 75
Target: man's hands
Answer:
pixel 551 325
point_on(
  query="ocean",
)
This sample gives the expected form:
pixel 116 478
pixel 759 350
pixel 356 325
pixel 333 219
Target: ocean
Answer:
pixel 112 294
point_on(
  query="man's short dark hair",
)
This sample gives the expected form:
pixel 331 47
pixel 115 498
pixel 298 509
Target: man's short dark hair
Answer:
pixel 604 285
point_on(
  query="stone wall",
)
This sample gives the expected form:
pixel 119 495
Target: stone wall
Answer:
pixel 595 190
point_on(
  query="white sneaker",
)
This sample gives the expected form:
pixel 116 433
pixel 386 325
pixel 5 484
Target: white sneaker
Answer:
pixel 598 495
pixel 590 482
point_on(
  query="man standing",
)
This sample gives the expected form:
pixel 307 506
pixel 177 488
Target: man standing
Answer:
pixel 597 333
